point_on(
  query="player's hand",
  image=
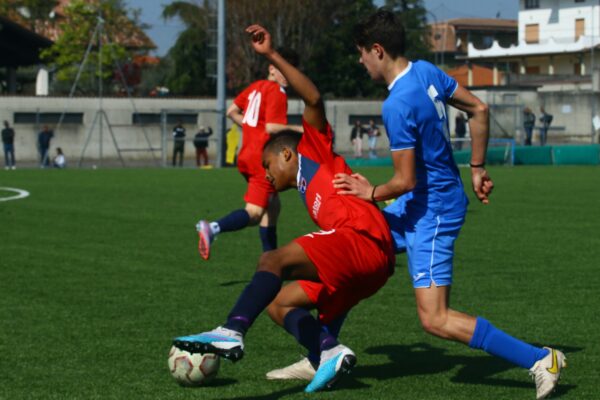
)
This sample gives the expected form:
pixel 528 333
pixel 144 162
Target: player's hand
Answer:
pixel 482 184
pixel 261 39
pixel 355 185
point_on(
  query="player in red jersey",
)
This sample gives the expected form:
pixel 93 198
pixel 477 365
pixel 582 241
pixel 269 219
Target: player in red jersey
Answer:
pixel 261 110
pixel 333 269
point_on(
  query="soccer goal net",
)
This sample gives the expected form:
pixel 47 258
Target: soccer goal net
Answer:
pixel 500 151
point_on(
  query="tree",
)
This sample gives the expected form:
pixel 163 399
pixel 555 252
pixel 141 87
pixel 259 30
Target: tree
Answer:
pixel 77 30
pixel 35 14
pixel 187 58
pixel 414 17
pixel 334 65
pixel 321 32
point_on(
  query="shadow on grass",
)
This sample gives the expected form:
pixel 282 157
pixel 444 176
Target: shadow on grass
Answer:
pixel 271 396
pixel 217 382
pixel 233 283
pixel 424 359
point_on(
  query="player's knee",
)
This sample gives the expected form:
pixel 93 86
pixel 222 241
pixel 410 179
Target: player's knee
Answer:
pixel 255 214
pixel 434 324
pixel 270 261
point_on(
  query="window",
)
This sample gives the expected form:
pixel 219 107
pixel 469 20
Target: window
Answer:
pixel 577 68
pixel 155 118
pixel 532 70
pixel 532 33
pixel 579 28
pixel 529 4
pixel 46 118
pixel 579 1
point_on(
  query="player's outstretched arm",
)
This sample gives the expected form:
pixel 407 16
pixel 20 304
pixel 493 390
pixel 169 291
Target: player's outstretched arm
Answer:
pixel 479 123
pixel 314 110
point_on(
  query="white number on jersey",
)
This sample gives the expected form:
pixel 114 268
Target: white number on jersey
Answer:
pixel 440 108
pixel 251 113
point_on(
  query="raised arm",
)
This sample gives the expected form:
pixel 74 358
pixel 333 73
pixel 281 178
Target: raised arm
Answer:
pixel 479 123
pixel 314 110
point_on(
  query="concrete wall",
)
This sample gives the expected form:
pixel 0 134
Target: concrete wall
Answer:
pixel 72 137
pixel 571 110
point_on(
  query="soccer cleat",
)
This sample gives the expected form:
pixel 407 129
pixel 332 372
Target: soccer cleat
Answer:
pixel 302 369
pixel 334 362
pixel 205 237
pixel 224 342
pixel 545 372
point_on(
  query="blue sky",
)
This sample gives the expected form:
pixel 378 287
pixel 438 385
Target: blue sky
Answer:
pixel 164 33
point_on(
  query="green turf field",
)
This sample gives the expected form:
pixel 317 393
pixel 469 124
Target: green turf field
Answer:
pixel 99 271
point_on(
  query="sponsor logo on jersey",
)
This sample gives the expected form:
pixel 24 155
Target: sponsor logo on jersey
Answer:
pixel 302 186
pixel 316 205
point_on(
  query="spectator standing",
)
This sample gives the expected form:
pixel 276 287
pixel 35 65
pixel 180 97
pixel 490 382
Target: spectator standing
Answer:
pixel 528 124
pixel 178 143
pixel 59 161
pixel 8 140
pixel 201 143
pixel 460 130
pixel 546 120
pixel 373 133
pixel 44 138
pixel 356 138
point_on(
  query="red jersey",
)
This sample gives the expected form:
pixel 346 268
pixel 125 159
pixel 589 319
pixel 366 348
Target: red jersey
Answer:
pixel 262 102
pixel 317 165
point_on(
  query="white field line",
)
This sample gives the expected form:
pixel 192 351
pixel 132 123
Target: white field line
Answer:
pixel 20 194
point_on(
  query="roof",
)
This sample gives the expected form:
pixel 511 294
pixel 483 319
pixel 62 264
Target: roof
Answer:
pixel 18 45
pixel 481 24
pixel 131 36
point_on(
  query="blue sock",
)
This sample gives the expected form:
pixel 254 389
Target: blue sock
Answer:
pixel 497 343
pixel 268 237
pixel 257 295
pixel 333 328
pixel 234 221
pixel 305 328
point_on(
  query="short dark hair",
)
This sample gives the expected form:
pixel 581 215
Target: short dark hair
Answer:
pixel 289 55
pixel 280 140
pixel 385 28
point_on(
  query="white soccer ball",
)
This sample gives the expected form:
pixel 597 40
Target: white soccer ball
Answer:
pixel 193 369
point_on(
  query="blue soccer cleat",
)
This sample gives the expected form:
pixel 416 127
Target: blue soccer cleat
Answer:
pixel 334 362
pixel 224 342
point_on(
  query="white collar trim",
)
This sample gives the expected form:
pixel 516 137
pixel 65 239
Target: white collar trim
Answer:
pixel 299 171
pixel 400 75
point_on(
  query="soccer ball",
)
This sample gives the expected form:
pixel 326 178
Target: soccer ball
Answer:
pixel 192 369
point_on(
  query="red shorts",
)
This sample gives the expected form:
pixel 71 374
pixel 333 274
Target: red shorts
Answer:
pixel 351 267
pixel 259 190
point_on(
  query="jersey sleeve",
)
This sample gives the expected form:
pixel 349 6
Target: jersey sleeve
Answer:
pixel 400 126
pixel 315 144
pixel 448 84
pixel 276 106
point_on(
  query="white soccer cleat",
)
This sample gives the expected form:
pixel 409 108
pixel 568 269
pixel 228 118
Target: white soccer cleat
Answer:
pixel 545 372
pixel 335 362
pixel 302 370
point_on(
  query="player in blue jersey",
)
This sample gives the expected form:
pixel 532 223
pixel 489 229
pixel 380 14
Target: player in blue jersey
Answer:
pixel 426 221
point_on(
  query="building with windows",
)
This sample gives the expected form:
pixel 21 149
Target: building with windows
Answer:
pixel 450 39
pixel 557 43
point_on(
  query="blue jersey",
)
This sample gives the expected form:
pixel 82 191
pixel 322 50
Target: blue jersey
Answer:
pixel 414 115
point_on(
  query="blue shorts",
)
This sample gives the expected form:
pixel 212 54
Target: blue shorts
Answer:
pixel 428 241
